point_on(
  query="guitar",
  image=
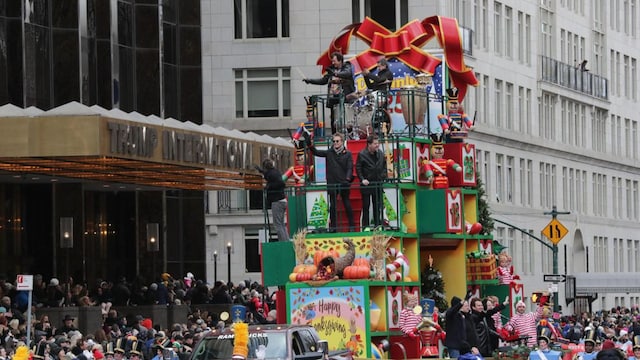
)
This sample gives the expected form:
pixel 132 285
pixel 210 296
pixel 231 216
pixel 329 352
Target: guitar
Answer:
pixel 388 153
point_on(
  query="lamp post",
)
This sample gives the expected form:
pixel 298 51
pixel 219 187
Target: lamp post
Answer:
pixel 215 266
pixel 153 243
pixel 229 262
pixel 66 239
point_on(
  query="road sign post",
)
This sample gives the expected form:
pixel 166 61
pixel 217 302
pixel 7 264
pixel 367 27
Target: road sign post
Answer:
pixel 25 283
pixel 555 231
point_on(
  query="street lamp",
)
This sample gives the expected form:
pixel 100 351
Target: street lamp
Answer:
pixel 229 262
pixel 215 266
pixel 66 239
pixel 153 241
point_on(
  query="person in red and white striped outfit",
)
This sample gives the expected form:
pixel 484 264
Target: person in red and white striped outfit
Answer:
pixel 409 320
pixel 525 323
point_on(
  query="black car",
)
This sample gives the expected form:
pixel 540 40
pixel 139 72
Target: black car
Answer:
pixel 267 342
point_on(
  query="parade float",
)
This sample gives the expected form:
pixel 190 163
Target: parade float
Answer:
pixel 350 285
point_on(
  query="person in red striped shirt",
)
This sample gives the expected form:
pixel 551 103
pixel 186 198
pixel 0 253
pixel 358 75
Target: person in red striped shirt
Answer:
pixel 525 323
pixel 409 320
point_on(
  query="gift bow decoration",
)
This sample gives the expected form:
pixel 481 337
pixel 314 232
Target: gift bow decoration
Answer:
pixel 405 44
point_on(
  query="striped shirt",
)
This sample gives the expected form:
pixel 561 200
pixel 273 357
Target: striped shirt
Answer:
pixel 408 320
pixel 526 325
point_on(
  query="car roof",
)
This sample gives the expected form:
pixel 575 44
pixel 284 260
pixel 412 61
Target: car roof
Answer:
pixel 258 328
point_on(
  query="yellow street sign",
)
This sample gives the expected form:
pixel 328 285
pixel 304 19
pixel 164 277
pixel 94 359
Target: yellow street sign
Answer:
pixel 555 231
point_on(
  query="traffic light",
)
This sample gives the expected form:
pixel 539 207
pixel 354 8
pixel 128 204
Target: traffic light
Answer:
pixel 536 296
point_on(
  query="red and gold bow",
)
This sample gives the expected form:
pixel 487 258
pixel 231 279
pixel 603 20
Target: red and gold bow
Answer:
pixel 406 44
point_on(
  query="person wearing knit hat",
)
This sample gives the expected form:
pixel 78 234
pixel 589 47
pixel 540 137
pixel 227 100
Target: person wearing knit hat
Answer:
pixel 624 343
pixel 460 327
pixel 544 352
pixel 97 354
pixel 525 323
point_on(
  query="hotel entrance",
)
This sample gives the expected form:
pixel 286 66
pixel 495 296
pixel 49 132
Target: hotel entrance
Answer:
pixel 91 196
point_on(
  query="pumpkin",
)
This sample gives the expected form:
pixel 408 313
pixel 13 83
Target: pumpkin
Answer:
pixel 303 277
pixel 356 272
pixel 361 262
pixel 321 254
pixel 292 277
pixel 305 269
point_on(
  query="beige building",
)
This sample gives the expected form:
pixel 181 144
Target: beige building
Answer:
pixel 556 122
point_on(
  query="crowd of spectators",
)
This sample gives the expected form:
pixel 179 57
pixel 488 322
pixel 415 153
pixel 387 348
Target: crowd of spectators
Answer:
pixel 129 332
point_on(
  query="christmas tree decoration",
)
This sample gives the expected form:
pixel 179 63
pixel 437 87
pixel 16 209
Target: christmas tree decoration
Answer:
pixel 319 213
pixel 432 286
pixel 484 213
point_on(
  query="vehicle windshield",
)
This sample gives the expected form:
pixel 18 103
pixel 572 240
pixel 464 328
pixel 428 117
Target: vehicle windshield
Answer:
pixel 261 346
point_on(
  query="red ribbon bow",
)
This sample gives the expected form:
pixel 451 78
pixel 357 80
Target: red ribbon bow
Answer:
pixel 406 45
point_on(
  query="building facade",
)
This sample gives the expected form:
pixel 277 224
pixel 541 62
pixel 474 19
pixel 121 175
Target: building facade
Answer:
pixel 556 121
pixel 131 56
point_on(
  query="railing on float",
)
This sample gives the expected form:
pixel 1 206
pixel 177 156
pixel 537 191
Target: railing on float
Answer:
pixel 410 115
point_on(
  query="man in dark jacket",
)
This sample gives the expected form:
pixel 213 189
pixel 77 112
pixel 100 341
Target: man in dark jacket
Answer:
pixel 339 176
pixel 460 328
pixel 371 170
pixel 340 85
pixel 275 197
pixel 481 319
pixel 381 81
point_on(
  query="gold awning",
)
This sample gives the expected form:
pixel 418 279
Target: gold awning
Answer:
pixel 158 154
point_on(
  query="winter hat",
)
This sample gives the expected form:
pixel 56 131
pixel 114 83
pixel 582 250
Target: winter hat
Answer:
pixel 147 323
pixel 455 301
pixel 520 303
pixel 608 344
pixel 97 354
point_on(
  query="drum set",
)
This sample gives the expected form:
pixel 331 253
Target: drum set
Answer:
pixel 366 113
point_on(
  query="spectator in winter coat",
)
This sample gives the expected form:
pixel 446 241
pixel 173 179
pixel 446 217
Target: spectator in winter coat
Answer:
pixel 460 328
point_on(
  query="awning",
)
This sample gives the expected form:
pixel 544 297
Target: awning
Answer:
pixel 74 141
pixel 600 283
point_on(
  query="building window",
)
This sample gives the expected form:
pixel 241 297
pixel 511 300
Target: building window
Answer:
pixel 508 107
pixel 263 93
pixel 485 25
pixel 508 32
pixel 252 240
pixel 510 179
pixel 256 19
pixel 498 104
pixel 636 255
pixel 628 196
pixel 598 134
pixel 232 201
pixel 547 185
pixel 485 94
pixel 547 111
pixel 546 36
pixel 500 178
pixel 634 202
pixel 391 17
pixel 498 30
